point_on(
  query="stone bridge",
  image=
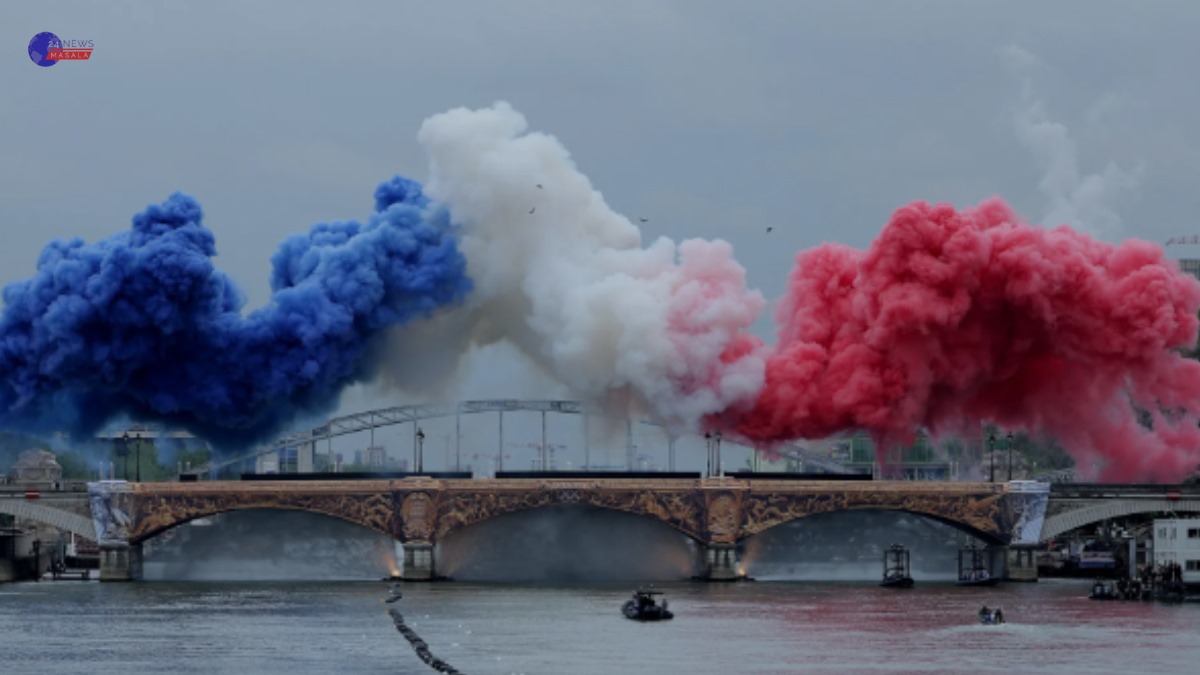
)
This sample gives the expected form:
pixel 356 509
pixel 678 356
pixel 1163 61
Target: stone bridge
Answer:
pixel 717 513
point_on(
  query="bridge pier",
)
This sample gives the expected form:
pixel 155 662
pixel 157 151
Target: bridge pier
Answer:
pixel 1020 563
pixel 418 562
pixel 120 562
pixel 721 562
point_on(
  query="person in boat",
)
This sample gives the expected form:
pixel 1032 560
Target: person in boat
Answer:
pixel 991 615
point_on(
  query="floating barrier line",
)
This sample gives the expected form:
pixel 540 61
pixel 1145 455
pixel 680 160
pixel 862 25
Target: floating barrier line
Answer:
pixel 420 647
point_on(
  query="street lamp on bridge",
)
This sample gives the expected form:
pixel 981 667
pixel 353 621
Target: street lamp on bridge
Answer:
pixel 1010 447
pixel 709 446
pixel 137 457
pixel 992 456
pixel 420 455
pixel 720 468
pixel 123 453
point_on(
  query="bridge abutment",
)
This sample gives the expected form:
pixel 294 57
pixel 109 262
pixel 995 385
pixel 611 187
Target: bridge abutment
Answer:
pixel 120 562
pixel 418 562
pixel 721 562
pixel 1020 563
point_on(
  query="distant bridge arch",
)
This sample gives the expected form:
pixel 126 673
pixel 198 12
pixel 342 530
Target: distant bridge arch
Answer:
pixel 345 425
pixel 64 520
pixel 384 417
pixel 1107 509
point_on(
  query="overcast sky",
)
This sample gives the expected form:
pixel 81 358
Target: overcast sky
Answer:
pixel 711 119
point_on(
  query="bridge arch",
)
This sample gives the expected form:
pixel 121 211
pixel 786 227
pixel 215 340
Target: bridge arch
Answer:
pixel 144 535
pixel 987 532
pixel 160 515
pixel 63 520
pixel 679 510
pixel 982 510
pixel 1062 523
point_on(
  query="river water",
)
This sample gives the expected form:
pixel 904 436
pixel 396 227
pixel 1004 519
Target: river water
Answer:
pixel 341 628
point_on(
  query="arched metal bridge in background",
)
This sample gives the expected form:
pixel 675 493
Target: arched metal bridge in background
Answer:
pixel 384 417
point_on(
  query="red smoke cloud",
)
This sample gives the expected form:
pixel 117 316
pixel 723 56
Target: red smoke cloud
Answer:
pixel 956 317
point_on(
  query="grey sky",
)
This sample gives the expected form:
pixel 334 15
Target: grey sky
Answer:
pixel 712 119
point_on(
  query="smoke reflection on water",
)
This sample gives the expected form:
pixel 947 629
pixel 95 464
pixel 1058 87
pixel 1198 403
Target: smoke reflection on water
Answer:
pixel 568 543
pixel 269 545
pixel 849 545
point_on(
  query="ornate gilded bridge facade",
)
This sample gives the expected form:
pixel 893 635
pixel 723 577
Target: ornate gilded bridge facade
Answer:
pixel 717 513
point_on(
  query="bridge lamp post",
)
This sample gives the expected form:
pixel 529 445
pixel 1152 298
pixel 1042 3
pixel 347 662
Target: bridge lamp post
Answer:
pixel 418 460
pixel 123 453
pixel 720 467
pixel 708 449
pixel 137 448
pixel 1010 447
pixel 992 456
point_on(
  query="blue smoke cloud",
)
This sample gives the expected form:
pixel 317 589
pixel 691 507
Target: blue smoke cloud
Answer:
pixel 142 324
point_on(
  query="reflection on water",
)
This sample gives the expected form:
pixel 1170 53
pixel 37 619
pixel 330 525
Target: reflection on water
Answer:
pixel 73 628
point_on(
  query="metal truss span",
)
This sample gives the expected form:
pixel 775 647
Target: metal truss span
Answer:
pixel 372 419
pixel 364 421
pixel 383 417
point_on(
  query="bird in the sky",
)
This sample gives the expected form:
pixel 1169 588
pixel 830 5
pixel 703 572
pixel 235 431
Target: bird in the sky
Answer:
pixel 539 186
pixel 533 209
pixel 644 219
pixel 769 229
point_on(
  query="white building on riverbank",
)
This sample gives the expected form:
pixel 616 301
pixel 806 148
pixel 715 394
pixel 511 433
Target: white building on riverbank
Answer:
pixel 1177 540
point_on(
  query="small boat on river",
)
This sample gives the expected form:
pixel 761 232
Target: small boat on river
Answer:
pixel 644 606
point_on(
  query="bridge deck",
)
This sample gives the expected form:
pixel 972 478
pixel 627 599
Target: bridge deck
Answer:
pixel 522 484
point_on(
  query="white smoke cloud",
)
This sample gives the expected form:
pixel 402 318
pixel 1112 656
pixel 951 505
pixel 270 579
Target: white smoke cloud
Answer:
pixel 565 279
pixel 1084 202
